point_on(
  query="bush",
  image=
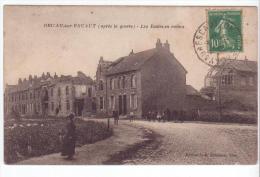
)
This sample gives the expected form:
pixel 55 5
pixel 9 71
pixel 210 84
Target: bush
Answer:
pixel 43 137
pixel 247 117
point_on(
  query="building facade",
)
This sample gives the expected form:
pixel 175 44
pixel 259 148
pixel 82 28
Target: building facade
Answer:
pixel 233 83
pixel 140 82
pixel 50 96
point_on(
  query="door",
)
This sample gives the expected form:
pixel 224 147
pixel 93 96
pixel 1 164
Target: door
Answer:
pixel 120 105
pixel 79 104
pixel 124 105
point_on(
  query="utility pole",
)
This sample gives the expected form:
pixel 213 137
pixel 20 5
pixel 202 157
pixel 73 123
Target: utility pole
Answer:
pixel 219 78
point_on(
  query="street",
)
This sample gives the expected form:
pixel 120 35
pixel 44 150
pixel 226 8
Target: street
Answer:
pixel 159 143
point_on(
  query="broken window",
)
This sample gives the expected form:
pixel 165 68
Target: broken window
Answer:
pixel 67 90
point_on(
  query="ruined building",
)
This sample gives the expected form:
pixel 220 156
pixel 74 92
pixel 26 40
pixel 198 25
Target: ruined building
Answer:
pixel 50 96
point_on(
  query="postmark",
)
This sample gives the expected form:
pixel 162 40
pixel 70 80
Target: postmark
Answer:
pixel 201 43
pixel 224 30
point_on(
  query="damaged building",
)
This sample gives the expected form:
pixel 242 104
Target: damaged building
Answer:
pixel 51 96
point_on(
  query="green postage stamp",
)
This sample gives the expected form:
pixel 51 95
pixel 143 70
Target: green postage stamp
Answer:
pixel 224 34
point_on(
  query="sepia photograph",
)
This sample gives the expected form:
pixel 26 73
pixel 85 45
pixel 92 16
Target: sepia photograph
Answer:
pixel 130 85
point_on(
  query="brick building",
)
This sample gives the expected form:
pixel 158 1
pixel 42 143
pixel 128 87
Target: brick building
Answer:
pixel 234 83
pixel 50 95
pixel 149 80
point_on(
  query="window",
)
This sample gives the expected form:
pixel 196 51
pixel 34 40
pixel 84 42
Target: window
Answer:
pixel 101 85
pixel 31 95
pixel 123 82
pixel 243 81
pixel 133 101
pixel 133 81
pixel 227 79
pixel 67 90
pixel 111 84
pixel 119 83
pixel 59 105
pixel 59 91
pixel 51 92
pixel 52 106
pixel 101 103
pixel 68 105
pixel 114 83
pixel 251 81
pixel 112 102
pixel 89 92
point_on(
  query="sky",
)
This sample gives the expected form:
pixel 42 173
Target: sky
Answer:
pixel 32 48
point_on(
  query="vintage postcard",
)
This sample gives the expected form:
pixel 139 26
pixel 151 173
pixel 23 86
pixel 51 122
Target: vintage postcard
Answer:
pixel 130 85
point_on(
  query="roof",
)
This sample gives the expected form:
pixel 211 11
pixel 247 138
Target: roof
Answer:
pixel 240 65
pixel 130 63
pixel 191 91
pixel 135 61
pixel 35 83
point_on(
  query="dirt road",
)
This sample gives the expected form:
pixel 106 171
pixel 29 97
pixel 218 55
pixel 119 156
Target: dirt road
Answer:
pixel 143 142
pixel 199 143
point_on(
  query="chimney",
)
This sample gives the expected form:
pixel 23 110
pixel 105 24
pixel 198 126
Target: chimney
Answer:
pixel 55 76
pixel 101 60
pixel 48 75
pixel 30 77
pixel 132 52
pixel 20 81
pixel 166 45
pixel 158 44
pixel 43 75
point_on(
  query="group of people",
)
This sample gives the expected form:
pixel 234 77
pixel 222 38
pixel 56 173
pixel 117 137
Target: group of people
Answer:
pixel 158 115
pixel 167 115
pixel 115 115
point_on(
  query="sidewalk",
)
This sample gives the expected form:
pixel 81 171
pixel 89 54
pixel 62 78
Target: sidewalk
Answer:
pixel 124 136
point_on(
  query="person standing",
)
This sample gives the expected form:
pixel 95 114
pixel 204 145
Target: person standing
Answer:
pixel 116 117
pixel 70 138
pixel 131 116
pixel 149 115
pixel 159 116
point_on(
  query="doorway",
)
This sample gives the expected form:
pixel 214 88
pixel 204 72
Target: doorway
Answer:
pixel 79 105
pixel 122 103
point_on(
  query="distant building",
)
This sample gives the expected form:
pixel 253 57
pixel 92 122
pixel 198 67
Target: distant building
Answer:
pixel 50 95
pixel 233 83
pixel 140 82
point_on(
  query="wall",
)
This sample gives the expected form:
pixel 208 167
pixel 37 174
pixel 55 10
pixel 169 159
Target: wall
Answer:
pixel 62 99
pixel 163 84
pixel 128 90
